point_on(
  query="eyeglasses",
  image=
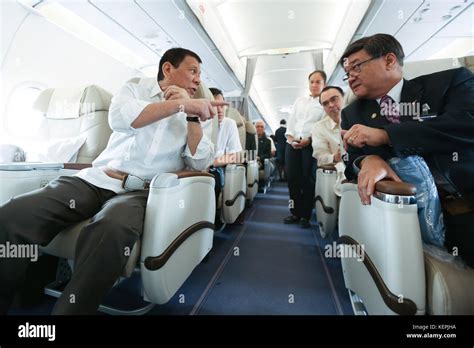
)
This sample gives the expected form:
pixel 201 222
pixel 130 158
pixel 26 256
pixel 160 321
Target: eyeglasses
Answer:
pixel 331 100
pixel 356 68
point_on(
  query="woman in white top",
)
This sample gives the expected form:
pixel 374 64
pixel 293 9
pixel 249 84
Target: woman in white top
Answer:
pixel 298 155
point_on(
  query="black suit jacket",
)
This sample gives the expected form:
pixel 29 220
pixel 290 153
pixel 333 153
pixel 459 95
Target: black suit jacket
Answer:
pixel 280 139
pixel 264 148
pixel 446 141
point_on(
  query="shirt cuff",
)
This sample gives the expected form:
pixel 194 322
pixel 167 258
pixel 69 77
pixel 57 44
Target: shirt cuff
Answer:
pixel 340 167
pixel 203 157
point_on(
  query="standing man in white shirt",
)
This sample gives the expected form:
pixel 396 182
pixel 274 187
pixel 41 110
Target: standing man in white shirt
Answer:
pixel 300 164
pixel 153 133
pixel 327 143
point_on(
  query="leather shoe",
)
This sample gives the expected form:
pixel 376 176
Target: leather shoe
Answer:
pixel 291 219
pixel 304 223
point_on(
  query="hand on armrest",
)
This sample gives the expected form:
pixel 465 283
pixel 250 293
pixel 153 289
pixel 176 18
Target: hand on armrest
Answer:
pixel 395 188
pixel 373 169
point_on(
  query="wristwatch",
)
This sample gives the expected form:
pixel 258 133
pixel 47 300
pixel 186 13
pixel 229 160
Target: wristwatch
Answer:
pixel 193 119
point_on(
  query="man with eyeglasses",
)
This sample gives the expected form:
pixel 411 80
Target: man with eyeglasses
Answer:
pixel 441 138
pixel 326 134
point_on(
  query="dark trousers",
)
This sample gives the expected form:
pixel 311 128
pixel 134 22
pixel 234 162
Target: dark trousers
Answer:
pixel 116 223
pixel 218 173
pixel 301 169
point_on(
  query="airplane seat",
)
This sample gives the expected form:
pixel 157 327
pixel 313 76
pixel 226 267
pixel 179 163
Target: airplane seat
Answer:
pixel 85 116
pixel 167 253
pixel 252 165
pixel 326 202
pixel 449 284
pixel 382 257
pixel 390 232
pixel 468 62
pixel 234 192
pixel 239 121
pixel 80 112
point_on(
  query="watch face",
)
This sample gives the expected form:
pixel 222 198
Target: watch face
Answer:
pixel 193 119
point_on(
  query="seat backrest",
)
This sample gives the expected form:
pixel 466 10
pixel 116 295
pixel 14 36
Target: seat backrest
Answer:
pixel 233 114
pixel 73 112
pixel 210 127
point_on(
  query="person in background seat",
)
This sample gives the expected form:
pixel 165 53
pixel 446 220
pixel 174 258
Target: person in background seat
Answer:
pixel 228 149
pixel 264 148
pixel 326 134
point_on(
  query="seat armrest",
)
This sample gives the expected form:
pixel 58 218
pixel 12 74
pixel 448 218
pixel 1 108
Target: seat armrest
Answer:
pixel 189 173
pixel 330 167
pixel 77 166
pixel 390 187
pixel 395 188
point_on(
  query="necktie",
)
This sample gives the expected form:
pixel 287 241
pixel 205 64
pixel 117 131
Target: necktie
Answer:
pixel 389 109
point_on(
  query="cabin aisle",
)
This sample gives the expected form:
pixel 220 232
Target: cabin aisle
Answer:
pixel 273 268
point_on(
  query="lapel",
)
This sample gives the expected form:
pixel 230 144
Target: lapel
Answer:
pixel 412 92
pixel 370 113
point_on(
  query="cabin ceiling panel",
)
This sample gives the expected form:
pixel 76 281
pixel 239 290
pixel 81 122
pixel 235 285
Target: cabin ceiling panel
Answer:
pixel 427 21
pixel 272 29
pixel 102 21
pixel 171 17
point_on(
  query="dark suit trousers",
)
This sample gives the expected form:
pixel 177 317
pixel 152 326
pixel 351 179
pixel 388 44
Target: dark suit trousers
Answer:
pixel 116 223
pixel 301 169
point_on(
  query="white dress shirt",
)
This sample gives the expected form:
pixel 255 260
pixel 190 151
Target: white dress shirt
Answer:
pixel 326 141
pixel 395 93
pixel 145 152
pixel 306 112
pixel 228 140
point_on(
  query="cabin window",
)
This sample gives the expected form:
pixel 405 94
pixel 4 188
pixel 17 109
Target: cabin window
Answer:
pixel 22 119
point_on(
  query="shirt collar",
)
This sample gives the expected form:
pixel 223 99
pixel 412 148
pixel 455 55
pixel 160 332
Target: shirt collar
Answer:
pixel 332 124
pixel 395 93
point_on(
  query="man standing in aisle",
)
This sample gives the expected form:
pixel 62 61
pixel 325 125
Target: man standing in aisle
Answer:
pixel 300 164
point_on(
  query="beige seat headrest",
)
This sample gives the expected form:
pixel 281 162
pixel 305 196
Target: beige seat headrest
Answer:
pixel 66 103
pixel 235 115
pixel 203 92
pixel 250 128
